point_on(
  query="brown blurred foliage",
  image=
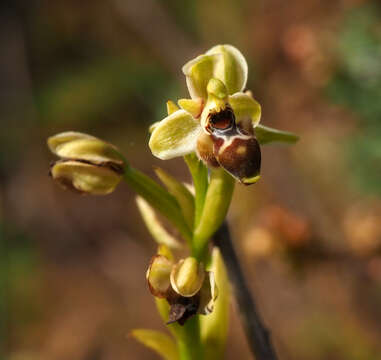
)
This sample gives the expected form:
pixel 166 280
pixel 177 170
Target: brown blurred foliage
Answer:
pixel 72 267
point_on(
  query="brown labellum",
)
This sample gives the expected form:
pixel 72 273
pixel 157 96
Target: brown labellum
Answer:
pixel 240 155
pixel 235 148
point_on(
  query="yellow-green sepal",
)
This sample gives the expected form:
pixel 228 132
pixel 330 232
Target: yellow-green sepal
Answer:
pixel 245 107
pixel 231 67
pixel 176 135
pixel 266 135
pixel 161 343
pixel 214 327
pixel 198 72
pixel 224 62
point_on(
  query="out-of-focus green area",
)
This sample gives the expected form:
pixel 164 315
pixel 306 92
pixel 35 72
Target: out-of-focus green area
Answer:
pixel 72 268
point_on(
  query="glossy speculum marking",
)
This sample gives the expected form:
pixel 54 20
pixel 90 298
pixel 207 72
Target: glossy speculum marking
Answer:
pixel 221 121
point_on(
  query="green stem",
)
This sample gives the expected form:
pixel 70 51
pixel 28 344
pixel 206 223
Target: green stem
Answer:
pixel 199 174
pixel 217 202
pixel 189 345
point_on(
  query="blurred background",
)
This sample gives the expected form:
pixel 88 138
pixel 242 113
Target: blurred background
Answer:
pixel 72 268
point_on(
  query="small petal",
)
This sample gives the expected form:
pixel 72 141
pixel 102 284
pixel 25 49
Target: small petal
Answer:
pixel 187 277
pixel 154 226
pixel 171 107
pixel 232 69
pixel 174 136
pixel 79 146
pixel 85 178
pixel 193 106
pixel 158 276
pixel 245 107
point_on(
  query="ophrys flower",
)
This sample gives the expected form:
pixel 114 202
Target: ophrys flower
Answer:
pixel 218 122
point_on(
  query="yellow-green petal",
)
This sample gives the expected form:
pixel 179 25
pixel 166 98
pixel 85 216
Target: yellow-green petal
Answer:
pixel 245 107
pixel 161 343
pixel 171 107
pixel 154 226
pixel 175 136
pixel 193 106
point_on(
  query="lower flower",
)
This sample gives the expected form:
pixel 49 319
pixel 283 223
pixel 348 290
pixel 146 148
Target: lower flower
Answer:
pixel 187 287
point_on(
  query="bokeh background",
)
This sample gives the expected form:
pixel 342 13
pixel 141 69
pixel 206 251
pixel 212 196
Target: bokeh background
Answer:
pixel 72 268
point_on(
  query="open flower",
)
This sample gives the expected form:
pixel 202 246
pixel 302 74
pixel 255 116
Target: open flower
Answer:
pixel 218 122
pixel 187 287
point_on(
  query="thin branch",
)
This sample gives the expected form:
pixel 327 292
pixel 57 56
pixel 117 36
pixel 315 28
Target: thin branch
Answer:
pixel 257 335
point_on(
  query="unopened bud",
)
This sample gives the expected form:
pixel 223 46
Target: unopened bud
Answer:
pixel 89 165
pixel 78 146
pixel 158 276
pixel 187 277
pixel 85 178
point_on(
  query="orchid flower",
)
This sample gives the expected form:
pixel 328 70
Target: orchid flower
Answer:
pixel 220 123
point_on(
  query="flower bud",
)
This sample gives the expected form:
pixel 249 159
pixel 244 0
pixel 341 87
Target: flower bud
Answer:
pixel 187 277
pixel 85 178
pixel 89 165
pixel 158 276
pixel 78 146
